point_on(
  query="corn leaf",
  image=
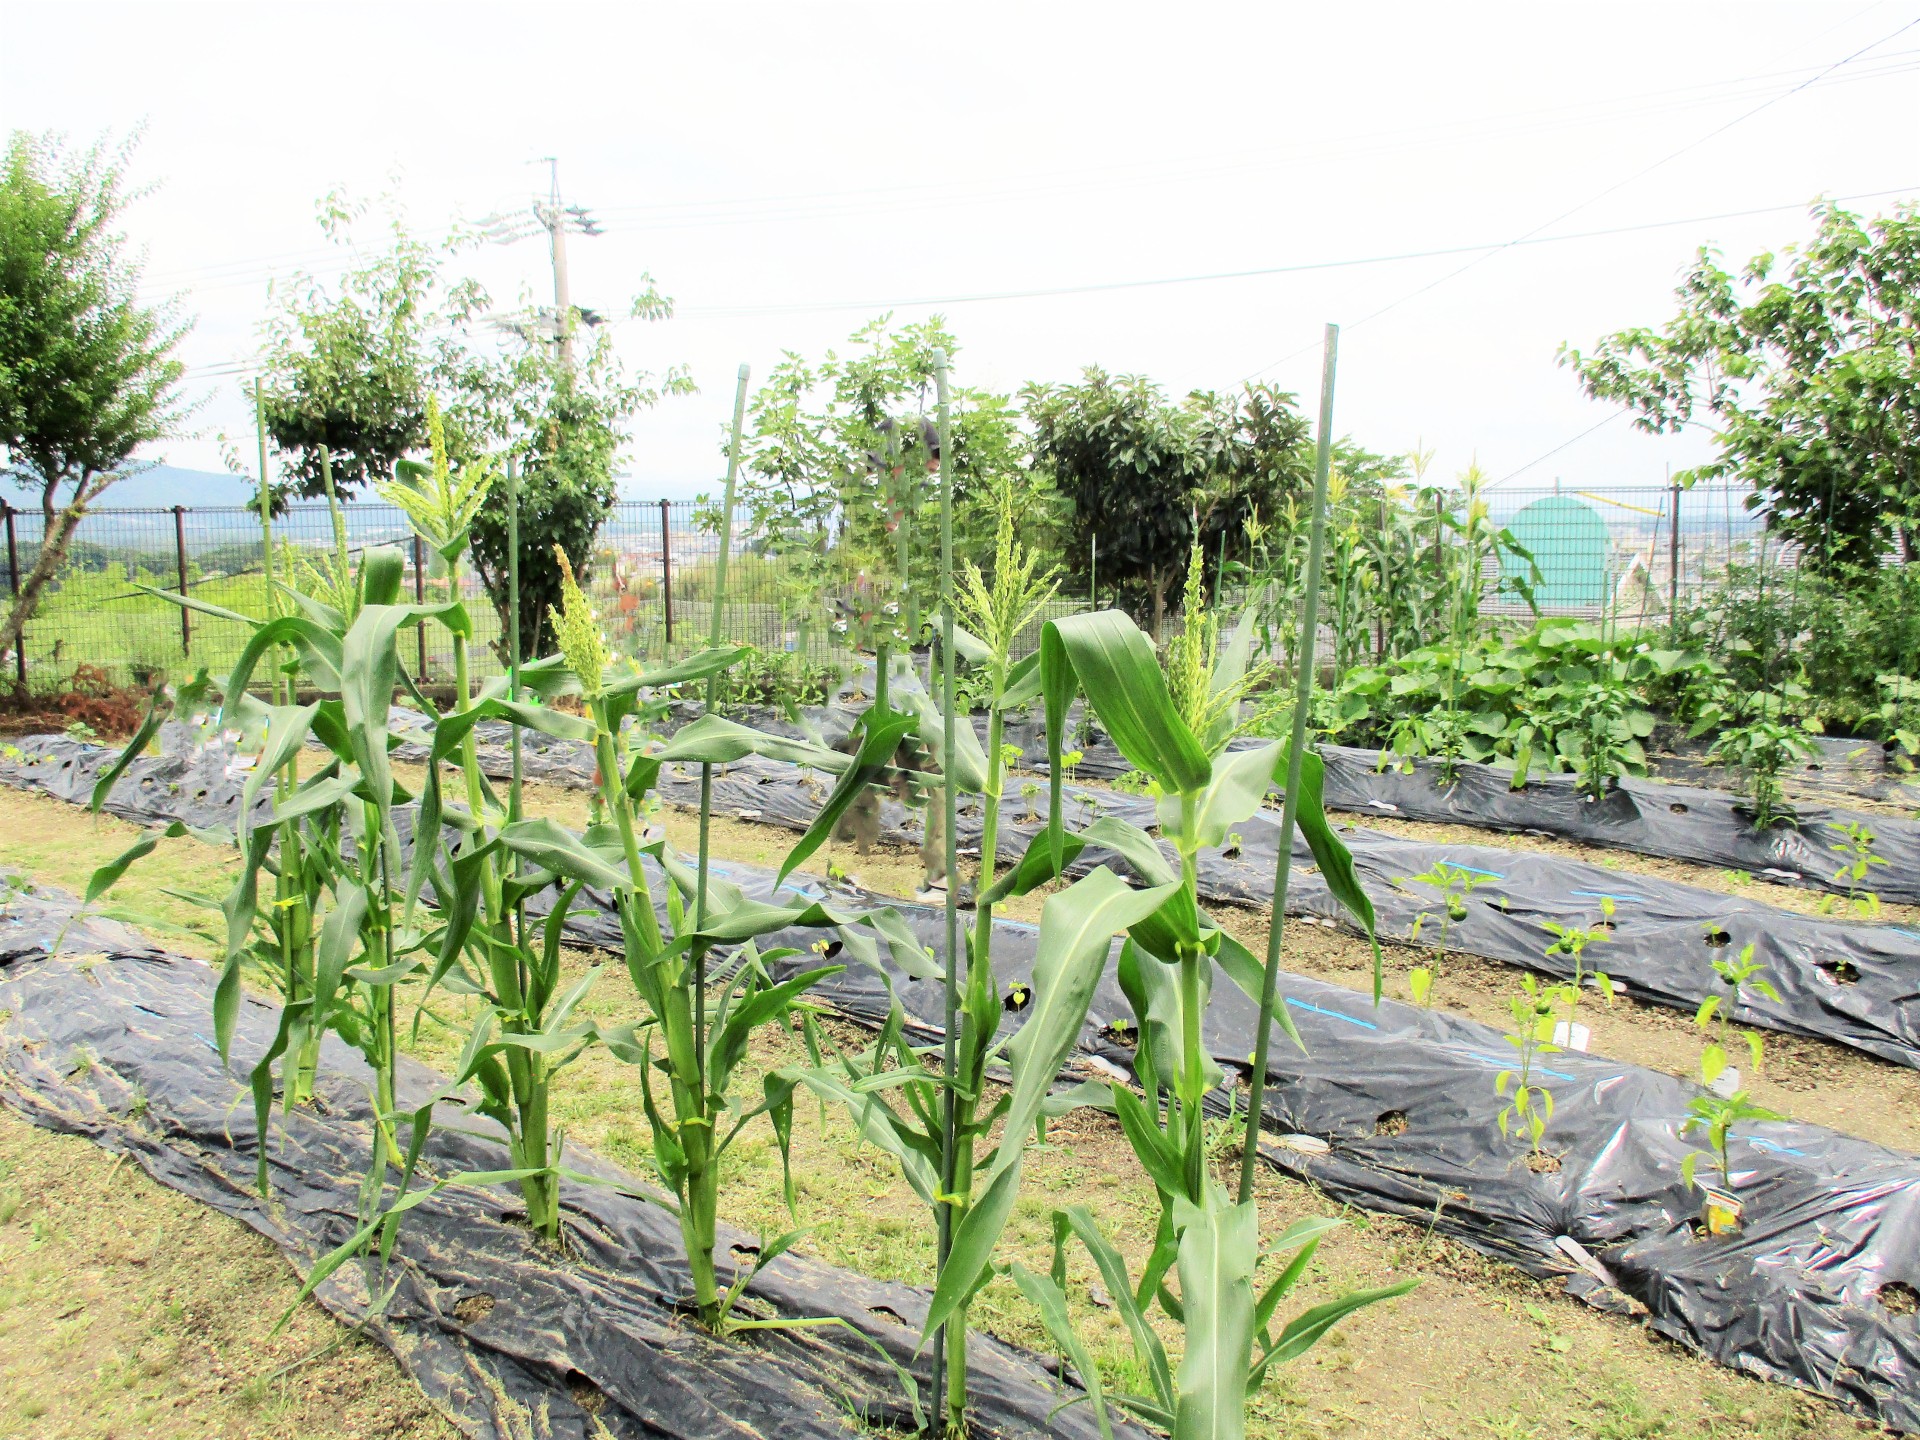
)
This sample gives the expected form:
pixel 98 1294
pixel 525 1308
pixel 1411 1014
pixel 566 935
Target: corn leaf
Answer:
pixel 1077 927
pixel 1219 1247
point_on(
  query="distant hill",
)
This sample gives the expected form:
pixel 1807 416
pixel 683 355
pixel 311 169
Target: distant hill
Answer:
pixel 165 486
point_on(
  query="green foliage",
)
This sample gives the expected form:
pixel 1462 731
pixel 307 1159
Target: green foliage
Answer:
pixel 573 422
pixel 349 369
pixel 1564 695
pixel 1760 749
pixel 1529 1105
pixel 1572 941
pixel 1717 1115
pixel 1455 883
pixel 1711 1019
pixel 1135 470
pixel 839 468
pixel 1852 645
pixel 1807 366
pixel 87 374
pixel 1856 850
pixel 1173 725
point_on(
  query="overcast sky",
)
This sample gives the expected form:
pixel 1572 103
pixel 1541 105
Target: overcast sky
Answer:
pixel 788 171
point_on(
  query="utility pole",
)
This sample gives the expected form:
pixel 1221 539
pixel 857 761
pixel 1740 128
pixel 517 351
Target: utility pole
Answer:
pixel 556 218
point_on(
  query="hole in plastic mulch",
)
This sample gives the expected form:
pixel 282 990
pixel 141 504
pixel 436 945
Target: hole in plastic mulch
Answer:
pixel 1897 1297
pixel 1677 808
pixel 584 1393
pixel 1718 939
pixel 469 1308
pixel 1394 1122
pixel 1843 971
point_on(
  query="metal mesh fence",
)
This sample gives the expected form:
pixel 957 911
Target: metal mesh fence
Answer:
pixel 651 579
pixel 653 571
pixel 1620 551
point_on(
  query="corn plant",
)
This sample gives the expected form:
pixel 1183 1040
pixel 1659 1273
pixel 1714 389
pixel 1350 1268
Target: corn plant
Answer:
pixel 1174 726
pixel 1455 884
pixel 1856 850
pixel 1075 934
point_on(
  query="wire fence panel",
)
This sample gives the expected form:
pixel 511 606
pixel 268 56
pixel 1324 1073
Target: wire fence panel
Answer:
pixel 1617 551
pixel 651 578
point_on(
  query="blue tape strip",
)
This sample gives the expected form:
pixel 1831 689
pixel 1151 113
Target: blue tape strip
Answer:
pixel 1472 870
pixel 1603 895
pixel 1335 1014
pixel 1777 1149
pixel 1503 1062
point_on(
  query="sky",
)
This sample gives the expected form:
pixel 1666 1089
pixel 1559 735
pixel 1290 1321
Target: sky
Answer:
pixel 787 172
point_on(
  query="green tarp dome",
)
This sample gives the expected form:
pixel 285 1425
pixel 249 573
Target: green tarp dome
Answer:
pixel 1570 544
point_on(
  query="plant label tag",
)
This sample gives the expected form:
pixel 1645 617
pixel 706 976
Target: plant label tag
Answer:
pixel 1721 1213
pixel 1571 1037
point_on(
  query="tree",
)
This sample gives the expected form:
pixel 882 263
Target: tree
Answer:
pixel 1137 472
pixel 87 373
pixel 565 427
pixel 838 459
pixel 349 370
pixel 1808 365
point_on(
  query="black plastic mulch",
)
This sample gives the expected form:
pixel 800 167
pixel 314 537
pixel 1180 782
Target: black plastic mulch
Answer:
pixel 506 1336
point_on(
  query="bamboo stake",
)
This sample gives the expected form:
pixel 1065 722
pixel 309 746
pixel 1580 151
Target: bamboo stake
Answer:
pixel 1296 757
pixel 713 684
pixel 950 779
pixel 266 521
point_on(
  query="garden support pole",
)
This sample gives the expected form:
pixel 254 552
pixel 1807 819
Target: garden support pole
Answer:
pixel 420 598
pixel 950 780
pixel 1673 562
pixel 1296 758
pixel 513 665
pixel 180 565
pixel 666 572
pixel 266 515
pixel 713 690
pixel 13 581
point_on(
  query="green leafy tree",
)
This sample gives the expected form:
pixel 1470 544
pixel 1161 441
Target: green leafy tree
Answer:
pixel 570 424
pixel 348 369
pixel 840 463
pixel 1138 472
pixel 87 372
pixel 1808 366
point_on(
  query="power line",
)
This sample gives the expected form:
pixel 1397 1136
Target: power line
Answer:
pixel 1564 444
pixel 855 202
pixel 731 311
pixel 239 366
pixel 1639 174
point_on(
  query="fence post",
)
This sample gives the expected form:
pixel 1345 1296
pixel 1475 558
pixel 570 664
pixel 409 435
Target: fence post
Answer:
pixel 666 569
pixel 180 561
pixel 1673 564
pixel 420 598
pixel 13 578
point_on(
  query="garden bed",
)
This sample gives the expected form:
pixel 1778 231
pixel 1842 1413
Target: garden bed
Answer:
pixel 1623 1204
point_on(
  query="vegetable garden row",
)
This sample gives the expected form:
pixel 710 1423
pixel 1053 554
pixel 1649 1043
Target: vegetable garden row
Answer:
pixel 1779 1247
